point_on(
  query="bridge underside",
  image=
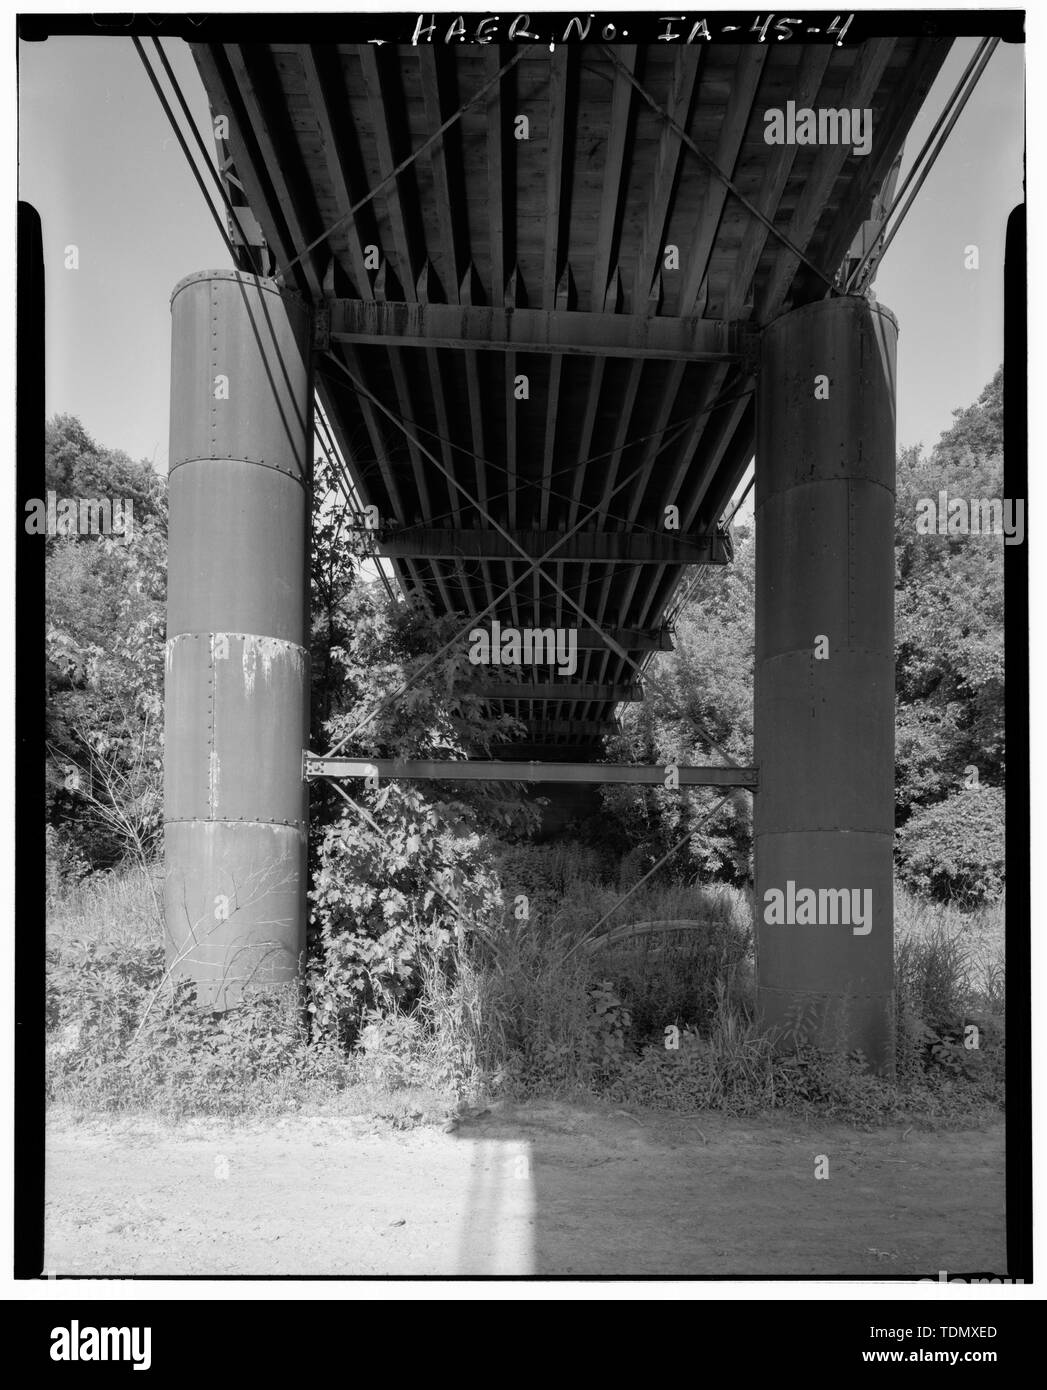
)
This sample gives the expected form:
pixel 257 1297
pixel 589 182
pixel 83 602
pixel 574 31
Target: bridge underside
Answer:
pixel 554 297
pixel 526 334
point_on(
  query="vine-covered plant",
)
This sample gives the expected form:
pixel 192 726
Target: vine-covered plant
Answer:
pixel 394 893
pixel 401 870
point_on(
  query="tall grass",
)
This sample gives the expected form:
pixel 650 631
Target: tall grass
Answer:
pixel 960 955
pixel 519 1008
pixel 118 907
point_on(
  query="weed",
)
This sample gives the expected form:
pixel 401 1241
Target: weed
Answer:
pixel 513 1007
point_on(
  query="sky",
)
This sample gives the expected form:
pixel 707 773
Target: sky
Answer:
pixel 98 161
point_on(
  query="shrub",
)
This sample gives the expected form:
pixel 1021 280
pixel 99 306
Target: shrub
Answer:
pixel 941 1031
pixel 932 977
pixel 64 864
pixel 954 850
pixel 385 894
pixel 677 978
pixel 95 995
pixel 513 1007
pixel 608 1023
pixel 120 1038
pixel 548 873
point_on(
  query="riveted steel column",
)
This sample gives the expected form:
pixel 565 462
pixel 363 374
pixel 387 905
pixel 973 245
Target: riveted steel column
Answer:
pixel 824 716
pixel 237 663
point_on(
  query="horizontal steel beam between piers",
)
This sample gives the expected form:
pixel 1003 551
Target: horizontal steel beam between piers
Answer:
pixel 586 547
pixel 481 771
pixel 555 331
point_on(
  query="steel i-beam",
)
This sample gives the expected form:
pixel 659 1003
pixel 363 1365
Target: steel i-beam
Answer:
pixel 237 663
pixel 483 770
pixel 824 696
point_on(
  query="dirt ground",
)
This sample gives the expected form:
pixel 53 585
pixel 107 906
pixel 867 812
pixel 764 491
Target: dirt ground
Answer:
pixel 539 1189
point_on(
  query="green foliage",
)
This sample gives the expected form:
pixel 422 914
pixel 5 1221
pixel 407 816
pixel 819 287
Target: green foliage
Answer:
pixel 99 990
pixel 76 466
pixel 609 1022
pixel 64 864
pixel 678 979
pixel 385 892
pixel 185 1060
pixel 700 691
pixel 340 599
pixel 949 615
pixel 105 615
pixel 728 1066
pixel 121 1036
pixel 950 1030
pixel 416 958
pixel 954 851
pixel 512 1008
pixel 932 977
pixel 950 679
pixel 550 874
pixel 401 876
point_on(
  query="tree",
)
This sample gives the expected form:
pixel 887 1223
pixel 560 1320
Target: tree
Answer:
pixel 697 696
pixel 105 615
pixel 949 616
pixel 76 466
pixel 400 870
pixel 949 660
pixel 955 850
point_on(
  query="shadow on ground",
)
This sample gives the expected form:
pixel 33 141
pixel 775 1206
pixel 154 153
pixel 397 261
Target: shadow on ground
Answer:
pixel 530 1189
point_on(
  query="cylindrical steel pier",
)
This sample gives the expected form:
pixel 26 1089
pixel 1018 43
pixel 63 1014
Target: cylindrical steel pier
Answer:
pixel 237 661
pixel 824 698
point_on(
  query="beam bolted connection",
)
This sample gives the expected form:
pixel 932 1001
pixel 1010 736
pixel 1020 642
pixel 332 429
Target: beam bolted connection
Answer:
pixel 419 769
pixel 237 663
pixel 824 692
